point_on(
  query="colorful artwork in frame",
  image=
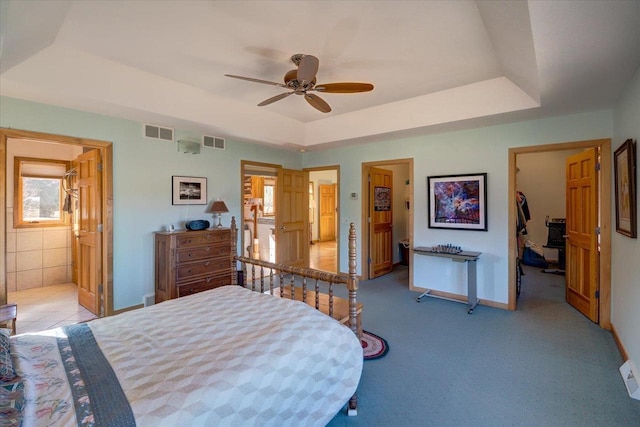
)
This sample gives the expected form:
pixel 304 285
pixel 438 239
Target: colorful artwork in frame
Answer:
pixel 382 199
pixel 624 161
pixel 189 190
pixel 458 202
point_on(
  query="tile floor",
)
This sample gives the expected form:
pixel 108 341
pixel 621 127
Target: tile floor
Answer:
pixel 48 307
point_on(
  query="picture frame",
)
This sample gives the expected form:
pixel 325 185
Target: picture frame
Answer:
pixel 382 199
pixel 624 162
pixel 189 190
pixel 457 202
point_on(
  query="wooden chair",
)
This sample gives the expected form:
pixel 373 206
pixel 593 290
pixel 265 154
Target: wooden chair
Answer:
pixel 8 315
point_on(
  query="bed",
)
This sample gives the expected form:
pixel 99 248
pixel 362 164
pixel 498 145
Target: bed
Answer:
pixel 227 356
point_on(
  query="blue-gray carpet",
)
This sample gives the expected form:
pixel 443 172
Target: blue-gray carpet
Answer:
pixel 542 365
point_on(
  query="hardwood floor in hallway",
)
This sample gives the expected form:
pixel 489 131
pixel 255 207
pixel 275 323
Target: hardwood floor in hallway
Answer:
pixel 323 256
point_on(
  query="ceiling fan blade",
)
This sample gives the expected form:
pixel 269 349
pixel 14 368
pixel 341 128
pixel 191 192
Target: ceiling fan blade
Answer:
pixel 347 87
pixel 317 102
pixel 274 99
pixel 267 82
pixel 308 68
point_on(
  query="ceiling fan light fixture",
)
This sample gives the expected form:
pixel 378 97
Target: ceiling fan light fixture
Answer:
pixel 303 80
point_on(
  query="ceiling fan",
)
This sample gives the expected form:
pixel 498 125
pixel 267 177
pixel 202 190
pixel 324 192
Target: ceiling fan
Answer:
pixel 303 80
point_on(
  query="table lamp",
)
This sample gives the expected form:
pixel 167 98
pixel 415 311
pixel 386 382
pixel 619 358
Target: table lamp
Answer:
pixel 217 208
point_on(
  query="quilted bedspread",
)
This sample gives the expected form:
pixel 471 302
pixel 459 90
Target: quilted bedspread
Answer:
pixel 223 357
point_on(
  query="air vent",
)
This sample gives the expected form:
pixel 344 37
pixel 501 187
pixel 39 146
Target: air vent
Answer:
pixel 213 142
pixel 158 132
pixel 149 299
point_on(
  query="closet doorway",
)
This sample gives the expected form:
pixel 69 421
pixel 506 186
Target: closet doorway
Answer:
pixel 537 230
pixel 95 221
pixel 398 215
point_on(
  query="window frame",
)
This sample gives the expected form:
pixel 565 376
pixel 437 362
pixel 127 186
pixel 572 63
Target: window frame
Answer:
pixel 18 202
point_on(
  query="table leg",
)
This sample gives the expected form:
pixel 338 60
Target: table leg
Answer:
pixel 472 289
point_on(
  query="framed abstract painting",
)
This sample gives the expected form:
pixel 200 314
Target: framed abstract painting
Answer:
pixel 458 202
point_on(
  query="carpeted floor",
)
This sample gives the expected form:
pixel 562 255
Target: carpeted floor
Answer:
pixel 542 365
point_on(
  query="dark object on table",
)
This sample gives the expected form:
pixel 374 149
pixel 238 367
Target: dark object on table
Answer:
pixel 199 224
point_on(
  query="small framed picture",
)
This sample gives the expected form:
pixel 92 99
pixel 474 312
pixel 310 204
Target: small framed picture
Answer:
pixel 189 190
pixel 624 162
pixel 458 202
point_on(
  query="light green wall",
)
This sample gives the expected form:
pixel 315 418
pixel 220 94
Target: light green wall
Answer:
pixel 142 170
pixel 625 252
pixel 470 151
pixel 142 190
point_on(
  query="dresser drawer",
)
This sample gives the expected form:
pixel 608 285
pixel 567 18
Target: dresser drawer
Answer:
pixel 190 261
pixel 202 268
pixel 203 285
pixel 202 252
pixel 199 239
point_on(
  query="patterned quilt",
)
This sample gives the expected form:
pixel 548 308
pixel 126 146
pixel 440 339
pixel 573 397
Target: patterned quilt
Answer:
pixel 223 357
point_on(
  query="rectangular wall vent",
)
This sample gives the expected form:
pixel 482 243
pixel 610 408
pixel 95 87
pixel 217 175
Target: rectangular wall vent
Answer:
pixel 158 132
pixel 213 142
pixel 630 378
pixel 149 299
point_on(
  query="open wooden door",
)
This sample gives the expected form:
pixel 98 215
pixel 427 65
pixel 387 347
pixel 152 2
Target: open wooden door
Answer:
pixel 380 222
pixel 292 218
pixel 327 212
pixel 89 231
pixel 582 261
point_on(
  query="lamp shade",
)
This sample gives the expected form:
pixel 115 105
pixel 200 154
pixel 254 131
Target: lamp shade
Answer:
pixel 217 207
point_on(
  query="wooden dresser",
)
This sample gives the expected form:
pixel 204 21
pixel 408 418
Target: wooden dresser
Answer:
pixel 192 261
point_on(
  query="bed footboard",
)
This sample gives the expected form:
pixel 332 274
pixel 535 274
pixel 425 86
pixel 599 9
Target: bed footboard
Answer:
pixel 313 287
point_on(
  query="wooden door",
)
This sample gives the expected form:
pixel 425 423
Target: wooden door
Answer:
pixel 582 274
pixel 327 212
pixel 89 231
pixel 75 245
pixel 292 218
pixel 380 222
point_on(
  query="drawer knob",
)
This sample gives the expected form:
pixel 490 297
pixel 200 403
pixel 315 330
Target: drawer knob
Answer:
pixel 207 263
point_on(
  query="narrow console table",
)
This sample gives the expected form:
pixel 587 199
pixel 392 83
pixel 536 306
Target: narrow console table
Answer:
pixel 465 256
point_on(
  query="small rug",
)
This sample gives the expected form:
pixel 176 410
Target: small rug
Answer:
pixel 373 346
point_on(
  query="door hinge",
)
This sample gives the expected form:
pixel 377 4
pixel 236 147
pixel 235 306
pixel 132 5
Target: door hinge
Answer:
pixel 99 228
pixel 598 230
pixel 100 288
pixel 598 166
pixel 369 261
pixel 369 178
pixel 598 293
pixel 99 166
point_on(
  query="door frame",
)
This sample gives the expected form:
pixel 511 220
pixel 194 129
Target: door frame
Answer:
pixel 259 165
pixel 604 211
pixel 106 153
pixel 338 206
pixel 364 228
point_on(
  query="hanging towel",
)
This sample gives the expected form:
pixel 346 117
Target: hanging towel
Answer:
pixel 67 204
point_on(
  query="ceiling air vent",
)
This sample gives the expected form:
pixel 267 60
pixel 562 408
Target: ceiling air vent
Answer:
pixel 158 132
pixel 213 142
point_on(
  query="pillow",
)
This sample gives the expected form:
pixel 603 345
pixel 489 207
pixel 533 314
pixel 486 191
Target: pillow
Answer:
pixel 7 373
pixel 11 404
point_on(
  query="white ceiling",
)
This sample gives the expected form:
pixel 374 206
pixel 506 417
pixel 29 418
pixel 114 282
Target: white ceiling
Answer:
pixel 436 65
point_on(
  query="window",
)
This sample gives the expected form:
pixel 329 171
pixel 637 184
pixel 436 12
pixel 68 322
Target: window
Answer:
pixel 38 192
pixel 269 197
